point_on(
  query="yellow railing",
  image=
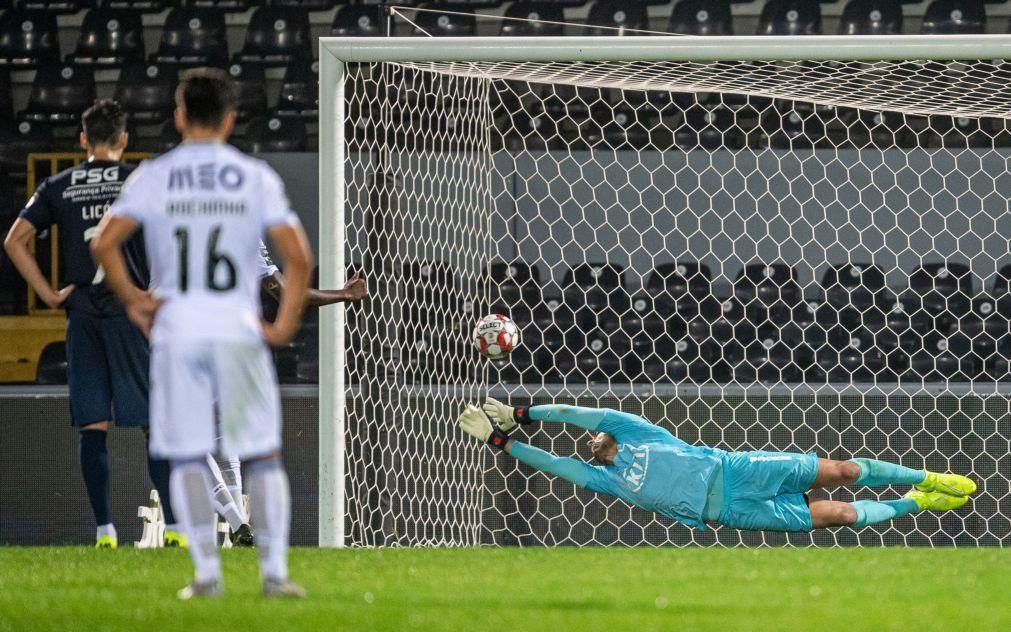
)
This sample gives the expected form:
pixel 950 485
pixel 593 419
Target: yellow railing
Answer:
pixel 42 166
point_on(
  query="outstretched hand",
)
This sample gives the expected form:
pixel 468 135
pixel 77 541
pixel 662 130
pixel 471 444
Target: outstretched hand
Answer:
pixel 500 413
pixel 475 423
pixel 356 288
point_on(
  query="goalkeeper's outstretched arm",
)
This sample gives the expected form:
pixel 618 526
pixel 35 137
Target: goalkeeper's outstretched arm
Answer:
pixel 476 424
pixel 508 417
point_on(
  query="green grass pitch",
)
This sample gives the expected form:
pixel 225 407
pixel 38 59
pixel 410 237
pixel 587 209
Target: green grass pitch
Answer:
pixel 70 588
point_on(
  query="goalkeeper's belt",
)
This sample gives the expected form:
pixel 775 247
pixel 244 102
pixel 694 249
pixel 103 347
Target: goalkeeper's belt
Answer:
pixel 521 415
pixel 497 438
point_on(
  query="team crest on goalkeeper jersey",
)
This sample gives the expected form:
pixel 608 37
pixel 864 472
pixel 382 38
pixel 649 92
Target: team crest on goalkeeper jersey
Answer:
pixel 635 472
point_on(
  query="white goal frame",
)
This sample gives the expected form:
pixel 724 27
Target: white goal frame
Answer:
pixel 335 53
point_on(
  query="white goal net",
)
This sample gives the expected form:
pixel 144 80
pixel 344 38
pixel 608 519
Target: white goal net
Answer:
pixel 779 255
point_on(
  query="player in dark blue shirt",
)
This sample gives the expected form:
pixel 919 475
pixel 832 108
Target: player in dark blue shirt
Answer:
pixel 107 356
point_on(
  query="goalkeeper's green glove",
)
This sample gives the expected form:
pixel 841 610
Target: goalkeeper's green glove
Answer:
pixel 506 417
pixel 476 424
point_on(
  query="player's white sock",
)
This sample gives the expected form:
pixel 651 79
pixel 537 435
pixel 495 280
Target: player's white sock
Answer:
pixel 232 473
pixel 106 529
pixel 191 499
pixel 224 504
pixel 270 507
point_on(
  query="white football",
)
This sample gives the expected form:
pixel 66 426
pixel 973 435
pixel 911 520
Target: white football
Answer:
pixel 495 336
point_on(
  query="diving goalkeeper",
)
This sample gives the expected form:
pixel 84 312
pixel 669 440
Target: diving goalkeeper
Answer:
pixel 648 467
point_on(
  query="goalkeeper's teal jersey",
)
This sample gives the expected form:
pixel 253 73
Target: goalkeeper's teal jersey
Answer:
pixel 653 469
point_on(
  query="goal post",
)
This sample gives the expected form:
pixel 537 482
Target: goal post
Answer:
pixel 442 158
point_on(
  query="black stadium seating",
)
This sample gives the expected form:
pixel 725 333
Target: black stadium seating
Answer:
pixel 701 17
pixel 146 92
pixel 59 95
pixel 944 17
pixel 193 37
pixel 109 38
pixel 250 82
pixel 275 36
pixel 527 16
pixel 357 20
pixel 445 20
pixel 614 17
pixel 790 17
pixel 28 39
pixel 871 17
pixel 299 95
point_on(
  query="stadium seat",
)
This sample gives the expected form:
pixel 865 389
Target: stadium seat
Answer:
pixel 250 83
pixel 679 278
pixel 775 355
pixel 109 38
pixel 945 290
pixel 646 315
pixel 794 129
pixel 599 360
pixel 882 130
pixel 160 142
pixel 858 357
pixel 6 98
pixel 688 359
pixel 52 367
pixel 596 293
pixel 59 95
pixel 857 294
pixel 985 325
pixel 871 17
pixel 552 312
pixel 525 19
pixel 272 134
pixel 137 6
pixel 430 286
pixel 709 127
pixel 790 17
pixel 701 17
pixel 28 39
pixel 945 17
pixel 767 290
pixel 615 17
pixel 445 20
pixel 193 38
pixel 958 133
pixel 299 96
pixel 275 36
pixel 515 289
pixel 17 140
pixel 943 358
pixel 228 6
pixel 305 5
pixel 147 92
pixel 356 20
pixel 52 7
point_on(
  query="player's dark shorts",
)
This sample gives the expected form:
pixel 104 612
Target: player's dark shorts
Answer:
pixel 107 370
pixel 765 491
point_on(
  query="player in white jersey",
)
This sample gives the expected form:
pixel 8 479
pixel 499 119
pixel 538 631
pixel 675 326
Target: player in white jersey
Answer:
pixel 203 207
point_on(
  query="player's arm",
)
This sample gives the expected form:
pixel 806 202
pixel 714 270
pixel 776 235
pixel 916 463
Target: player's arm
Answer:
pixel 607 420
pixel 18 248
pixel 107 251
pixel 476 424
pixel 290 241
pixel 354 290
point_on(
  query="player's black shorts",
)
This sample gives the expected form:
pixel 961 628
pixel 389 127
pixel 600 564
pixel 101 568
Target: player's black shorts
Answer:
pixel 107 370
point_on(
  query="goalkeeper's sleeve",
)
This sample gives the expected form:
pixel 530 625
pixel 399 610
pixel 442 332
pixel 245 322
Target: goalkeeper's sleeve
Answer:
pixel 588 418
pixel 572 470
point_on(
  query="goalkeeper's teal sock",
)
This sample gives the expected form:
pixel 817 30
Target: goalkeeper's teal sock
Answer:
pixel 873 511
pixel 874 472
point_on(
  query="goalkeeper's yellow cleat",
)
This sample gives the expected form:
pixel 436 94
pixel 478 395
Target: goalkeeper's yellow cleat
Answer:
pixel 951 484
pixel 106 542
pixel 936 501
pixel 174 539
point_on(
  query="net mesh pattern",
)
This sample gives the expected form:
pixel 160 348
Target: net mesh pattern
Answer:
pixel 801 257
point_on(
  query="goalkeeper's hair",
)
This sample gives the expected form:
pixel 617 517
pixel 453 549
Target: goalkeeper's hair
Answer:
pixel 103 123
pixel 206 95
pixel 607 443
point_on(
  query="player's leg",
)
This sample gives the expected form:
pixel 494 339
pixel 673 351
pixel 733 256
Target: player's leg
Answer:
pixel 129 363
pixel 182 430
pixel 871 472
pixel 225 505
pixel 90 389
pixel 250 422
pixel 231 472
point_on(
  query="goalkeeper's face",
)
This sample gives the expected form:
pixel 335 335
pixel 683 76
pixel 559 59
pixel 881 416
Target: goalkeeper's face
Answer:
pixel 604 448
